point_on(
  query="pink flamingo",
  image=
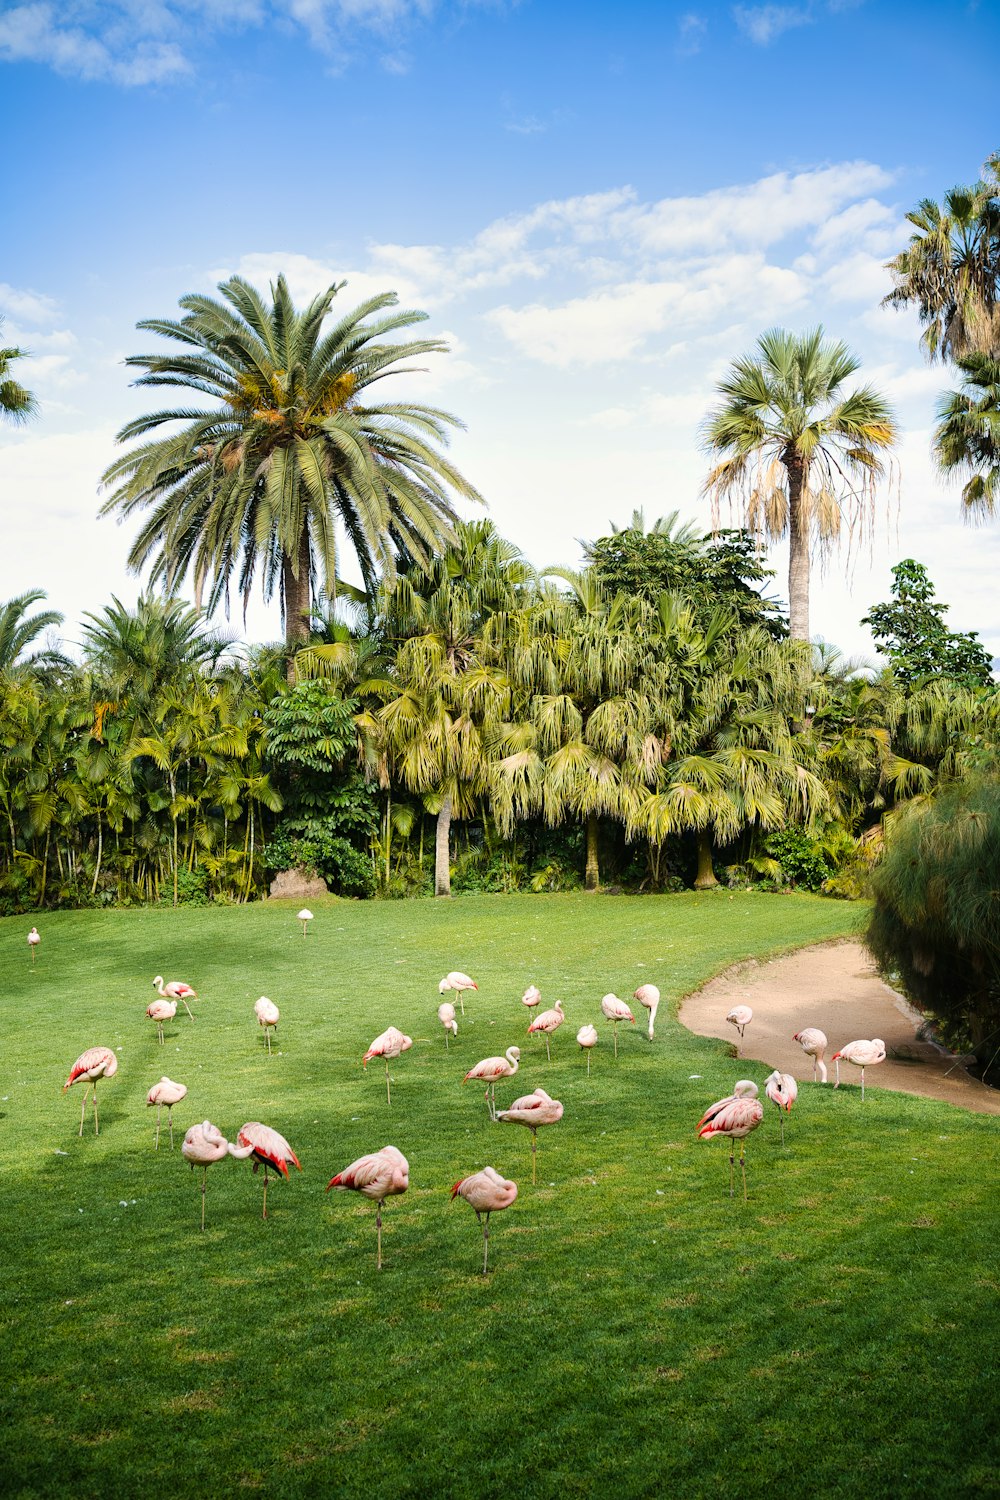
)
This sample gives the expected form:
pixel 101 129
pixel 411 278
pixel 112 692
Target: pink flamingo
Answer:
pixel 34 938
pixel 492 1068
pixel 205 1144
pixel 534 1111
pixel 740 1016
pixel 616 1010
pixel 649 996
pixel 548 1022
pixel 268 1015
pixel 814 1044
pixel 487 1193
pixel 378 1176
pixel 268 1149
pixel 531 996
pixel 587 1037
pixel 160 1011
pixel 458 982
pixel 168 1093
pixel 863 1055
pixel 175 990
pixel 446 1015
pixel 95 1063
pixel 782 1090
pixel 734 1116
pixel 389 1045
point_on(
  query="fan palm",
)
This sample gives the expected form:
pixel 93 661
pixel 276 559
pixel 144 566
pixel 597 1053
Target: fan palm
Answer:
pixel 797 447
pixel 967 437
pixel 289 449
pixel 16 403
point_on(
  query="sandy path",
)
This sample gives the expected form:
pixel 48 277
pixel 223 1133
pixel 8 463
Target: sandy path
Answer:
pixel 836 988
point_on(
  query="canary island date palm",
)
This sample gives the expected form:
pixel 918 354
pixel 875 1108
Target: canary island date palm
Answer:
pixel 289 449
pixel 967 437
pixel 16 403
pixel 797 448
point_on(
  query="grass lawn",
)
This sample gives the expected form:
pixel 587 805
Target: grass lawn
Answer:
pixel 639 1333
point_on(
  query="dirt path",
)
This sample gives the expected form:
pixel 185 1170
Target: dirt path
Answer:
pixel 836 988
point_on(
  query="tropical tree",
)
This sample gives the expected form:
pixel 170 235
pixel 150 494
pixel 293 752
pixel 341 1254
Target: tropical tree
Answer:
pixel 18 631
pixel 16 403
pixel 910 632
pixel 967 437
pixel 797 448
pixel 291 448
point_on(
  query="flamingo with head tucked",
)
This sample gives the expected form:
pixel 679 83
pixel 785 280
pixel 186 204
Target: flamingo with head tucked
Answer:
pixel 863 1055
pixel 378 1176
pixel 531 996
pixel 168 1093
pixel 487 1193
pixel 740 1016
pixel 268 1015
pixel 548 1022
pixel 782 1090
pixel 492 1068
pixel 175 990
pixel 95 1063
pixel 735 1116
pixel 389 1046
pixel 160 1011
pixel 587 1037
pixel 458 982
pixel 446 1015
pixel 616 1010
pixel 205 1144
pixel 34 938
pixel 533 1111
pixel 649 996
pixel 268 1149
pixel 814 1044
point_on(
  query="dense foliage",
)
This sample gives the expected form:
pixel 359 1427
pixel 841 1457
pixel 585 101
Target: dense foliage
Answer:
pixel 910 632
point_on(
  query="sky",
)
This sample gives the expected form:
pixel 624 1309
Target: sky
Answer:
pixel 599 208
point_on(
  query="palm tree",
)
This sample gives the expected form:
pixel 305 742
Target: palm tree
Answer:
pixel 949 270
pixel 289 450
pixel 16 403
pixel 967 437
pixel 18 632
pixel 797 448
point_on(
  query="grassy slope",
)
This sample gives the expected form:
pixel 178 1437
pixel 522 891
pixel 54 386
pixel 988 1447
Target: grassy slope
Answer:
pixel 638 1330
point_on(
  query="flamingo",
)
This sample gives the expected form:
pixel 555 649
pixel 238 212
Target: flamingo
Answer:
pixel 458 982
pixel 740 1016
pixel 734 1116
pixel 160 1011
pixel 305 916
pixel 534 1111
pixel 531 996
pixel 587 1037
pixel 492 1068
pixel 649 996
pixel 863 1055
pixel 446 1015
pixel 175 990
pixel 814 1044
pixel 782 1090
pixel 378 1176
pixel 268 1015
pixel 168 1093
pixel 268 1149
pixel 546 1023
pixel 205 1144
pixel 95 1063
pixel 34 938
pixel 488 1193
pixel 616 1010
pixel 389 1045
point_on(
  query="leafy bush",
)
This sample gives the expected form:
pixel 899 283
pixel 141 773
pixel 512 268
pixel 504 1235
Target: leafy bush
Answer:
pixel 802 860
pixel 316 845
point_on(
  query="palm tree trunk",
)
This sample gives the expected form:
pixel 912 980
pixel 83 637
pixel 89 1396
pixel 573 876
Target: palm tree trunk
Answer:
pixel 100 851
pixel 295 582
pixel 705 878
pixel 592 880
pixel 442 862
pixel 798 549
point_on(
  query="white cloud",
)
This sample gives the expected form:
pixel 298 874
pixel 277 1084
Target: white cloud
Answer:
pixel 28 306
pixel 762 23
pixel 691 30
pixel 37 33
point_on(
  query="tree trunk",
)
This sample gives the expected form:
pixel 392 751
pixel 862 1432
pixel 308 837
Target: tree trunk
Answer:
pixel 798 549
pixel 593 876
pixel 298 601
pixel 442 864
pixel 100 851
pixel 705 879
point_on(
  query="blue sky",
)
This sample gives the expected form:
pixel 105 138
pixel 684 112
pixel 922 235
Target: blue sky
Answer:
pixel 599 207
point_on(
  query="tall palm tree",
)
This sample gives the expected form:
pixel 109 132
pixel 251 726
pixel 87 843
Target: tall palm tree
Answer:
pixel 289 449
pixel 18 631
pixel 967 437
pixel 797 448
pixel 16 403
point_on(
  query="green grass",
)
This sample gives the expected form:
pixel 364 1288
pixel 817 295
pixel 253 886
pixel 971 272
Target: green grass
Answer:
pixel 639 1334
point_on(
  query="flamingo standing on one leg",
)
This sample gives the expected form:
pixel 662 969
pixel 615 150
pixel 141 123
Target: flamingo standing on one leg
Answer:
pixel 268 1149
pixel 534 1111
pixel 863 1055
pixel 814 1044
pixel 95 1063
pixel 160 1011
pixel 175 990
pixel 548 1022
pixel 446 1015
pixel 531 996
pixel 649 996
pixel 268 1015
pixel 458 982
pixel 587 1037
pixel 34 938
pixel 734 1116
pixel 782 1090
pixel 168 1093
pixel 616 1010
pixel 488 1193
pixel 740 1016
pixel 378 1176
pixel 205 1144
pixel 388 1046
pixel 492 1068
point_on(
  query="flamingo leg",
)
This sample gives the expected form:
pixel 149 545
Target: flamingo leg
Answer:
pixel 159 1111
pixel 486 1241
pixel 781 1121
pixel 267 1033
pixel 534 1153
pixel 461 1002
pixel 862 1085
pixel 588 1062
pixel 265 1190
pixel 732 1172
pixel 186 1007
pixel 378 1231
pixel 447 1040
pixel 548 1050
pixel 387 1094
pixel 616 1037
pixel 836 1064
pixel 743 1169
pixel 204 1184
pixel 97 1128
pixel 170 1122
pixel 83 1107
